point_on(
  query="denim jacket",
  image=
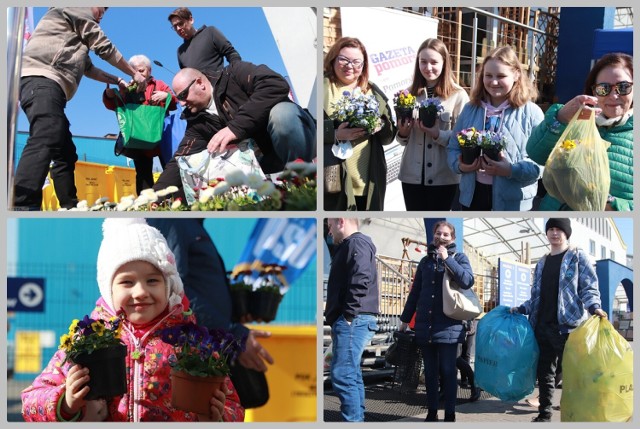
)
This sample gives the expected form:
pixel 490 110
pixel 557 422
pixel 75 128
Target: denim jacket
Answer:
pixel 577 290
pixel 517 191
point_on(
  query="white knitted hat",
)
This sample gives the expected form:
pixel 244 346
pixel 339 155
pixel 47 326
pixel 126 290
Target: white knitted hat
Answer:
pixel 126 240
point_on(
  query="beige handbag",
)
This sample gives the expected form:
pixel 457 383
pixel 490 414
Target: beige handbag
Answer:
pixel 332 179
pixel 458 303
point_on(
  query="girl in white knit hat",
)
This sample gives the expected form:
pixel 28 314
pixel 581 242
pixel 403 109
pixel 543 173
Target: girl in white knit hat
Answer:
pixel 137 275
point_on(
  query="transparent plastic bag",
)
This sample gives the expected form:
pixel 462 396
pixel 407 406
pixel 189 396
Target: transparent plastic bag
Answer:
pixel 597 374
pixel 577 170
pixel 506 355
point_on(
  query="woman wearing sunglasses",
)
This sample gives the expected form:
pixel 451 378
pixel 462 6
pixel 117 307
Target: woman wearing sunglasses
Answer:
pixel 609 90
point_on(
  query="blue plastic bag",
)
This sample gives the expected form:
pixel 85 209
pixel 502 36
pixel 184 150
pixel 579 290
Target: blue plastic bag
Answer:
pixel 506 355
pixel 172 134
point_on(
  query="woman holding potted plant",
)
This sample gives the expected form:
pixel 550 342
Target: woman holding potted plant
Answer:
pixel 361 176
pixel 427 181
pixel 139 285
pixel 502 101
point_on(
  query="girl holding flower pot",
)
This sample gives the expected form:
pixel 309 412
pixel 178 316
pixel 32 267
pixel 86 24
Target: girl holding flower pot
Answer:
pixel 362 173
pixel 138 283
pixel 502 101
pixel 427 181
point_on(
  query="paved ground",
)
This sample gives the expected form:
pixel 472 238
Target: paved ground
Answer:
pixel 386 401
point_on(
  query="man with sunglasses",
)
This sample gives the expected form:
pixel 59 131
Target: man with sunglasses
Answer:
pixel 54 61
pixel 204 49
pixel 609 90
pixel 243 101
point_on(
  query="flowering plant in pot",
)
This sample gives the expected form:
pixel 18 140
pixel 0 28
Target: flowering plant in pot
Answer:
pixel 469 139
pixel 267 295
pixel 95 344
pixel 200 365
pixel 405 103
pixel 358 109
pixel 241 288
pixel 492 143
pixel 429 110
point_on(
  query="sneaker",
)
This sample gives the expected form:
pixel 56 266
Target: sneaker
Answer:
pixel 542 418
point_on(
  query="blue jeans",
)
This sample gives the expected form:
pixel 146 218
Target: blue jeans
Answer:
pixel 293 135
pixel 441 359
pixel 349 341
pixel 43 102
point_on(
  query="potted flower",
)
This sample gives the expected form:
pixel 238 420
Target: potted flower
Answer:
pixel 429 110
pixel 267 296
pixel 96 345
pixel 200 365
pixel 405 103
pixel 359 110
pixel 492 143
pixel 468 140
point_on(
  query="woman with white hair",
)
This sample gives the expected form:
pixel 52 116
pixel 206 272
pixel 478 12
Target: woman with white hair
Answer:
pixel 156 95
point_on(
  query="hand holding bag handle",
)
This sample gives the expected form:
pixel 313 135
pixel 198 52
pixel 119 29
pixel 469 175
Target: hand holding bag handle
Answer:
pixel 458 303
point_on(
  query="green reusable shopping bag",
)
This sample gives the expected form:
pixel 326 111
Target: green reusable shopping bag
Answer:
pixel 141 125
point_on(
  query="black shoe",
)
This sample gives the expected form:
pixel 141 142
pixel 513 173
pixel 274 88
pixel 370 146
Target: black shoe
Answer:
pixel 475 394
pixel 449 417
pixel 542 418
pixel 432 416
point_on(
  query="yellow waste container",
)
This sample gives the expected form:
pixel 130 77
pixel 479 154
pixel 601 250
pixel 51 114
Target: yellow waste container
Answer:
pixel 49 200
pixel 292 378
pixel 121 182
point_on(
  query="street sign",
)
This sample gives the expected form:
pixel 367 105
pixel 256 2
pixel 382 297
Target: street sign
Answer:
pixel 514 283
pixel 25 294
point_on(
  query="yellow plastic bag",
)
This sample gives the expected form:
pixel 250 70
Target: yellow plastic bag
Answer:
pixel 597 374
pixel 577 170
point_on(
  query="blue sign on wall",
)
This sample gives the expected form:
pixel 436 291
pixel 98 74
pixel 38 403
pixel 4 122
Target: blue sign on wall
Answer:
pixel 25 294
pixel 514 283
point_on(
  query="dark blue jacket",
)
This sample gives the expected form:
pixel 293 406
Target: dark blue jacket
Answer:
pixel 352 288
pixel 425 299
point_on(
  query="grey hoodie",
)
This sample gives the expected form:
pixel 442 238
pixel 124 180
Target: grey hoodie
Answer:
pixel 59 47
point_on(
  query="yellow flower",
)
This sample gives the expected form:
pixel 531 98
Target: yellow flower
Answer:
pixel 73 326
pixel 569 144
pixel 65 342
pixel 98 327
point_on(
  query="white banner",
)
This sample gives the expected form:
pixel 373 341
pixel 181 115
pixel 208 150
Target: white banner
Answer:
pixel 392 38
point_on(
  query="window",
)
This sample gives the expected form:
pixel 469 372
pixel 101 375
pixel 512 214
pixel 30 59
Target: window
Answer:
pixel 592 248
pixel 613 255
pixel 603 252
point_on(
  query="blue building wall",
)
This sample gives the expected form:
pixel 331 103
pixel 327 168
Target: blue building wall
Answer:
pixel 575 47
pixel 89 149
pixel 64 252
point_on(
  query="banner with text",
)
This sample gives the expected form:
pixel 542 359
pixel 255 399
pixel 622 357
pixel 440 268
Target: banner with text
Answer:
pixel 392 38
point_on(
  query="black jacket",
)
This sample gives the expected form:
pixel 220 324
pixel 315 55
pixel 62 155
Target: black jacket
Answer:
pixel 353 280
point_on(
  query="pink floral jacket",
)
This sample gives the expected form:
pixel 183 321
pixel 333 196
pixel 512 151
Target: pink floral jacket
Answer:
pixel 149 388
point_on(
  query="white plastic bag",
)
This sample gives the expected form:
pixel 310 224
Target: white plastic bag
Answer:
pixel 198 169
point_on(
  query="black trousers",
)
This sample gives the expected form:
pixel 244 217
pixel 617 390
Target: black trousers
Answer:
pixel 49 146
pixel 482 198
pixel 428 198
pixel 551 344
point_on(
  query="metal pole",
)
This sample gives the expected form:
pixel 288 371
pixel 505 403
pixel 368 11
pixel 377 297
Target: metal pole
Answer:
pixel 15 37
pixel 474 41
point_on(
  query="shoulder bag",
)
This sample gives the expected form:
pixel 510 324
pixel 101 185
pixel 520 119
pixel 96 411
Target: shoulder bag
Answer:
pixel 458 303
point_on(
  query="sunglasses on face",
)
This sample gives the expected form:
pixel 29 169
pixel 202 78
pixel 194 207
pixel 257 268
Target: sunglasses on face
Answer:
pixel 604 89
pixel 344 61
pixel 182 95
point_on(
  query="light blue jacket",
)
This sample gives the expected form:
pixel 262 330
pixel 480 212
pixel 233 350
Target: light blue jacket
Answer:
pixel 577 291
pixel 517 191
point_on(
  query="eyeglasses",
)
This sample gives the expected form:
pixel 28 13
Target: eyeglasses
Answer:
pixel 179 24
pixel 604 89
pixel 182 95
pixel 344 61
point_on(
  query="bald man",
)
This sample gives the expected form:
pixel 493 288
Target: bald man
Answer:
pixel 243 101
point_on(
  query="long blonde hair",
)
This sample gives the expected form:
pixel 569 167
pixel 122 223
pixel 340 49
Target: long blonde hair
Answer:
pixel 522 91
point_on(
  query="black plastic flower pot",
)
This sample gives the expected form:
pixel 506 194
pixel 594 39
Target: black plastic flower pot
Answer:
pixel 240 299
pixel 427 116
pixel 403 113
pixel 107 371
pixel 492 152
pixel 469 153
pixel 264 305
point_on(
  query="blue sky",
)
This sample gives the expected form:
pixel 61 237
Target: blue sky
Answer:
pixel 625 226
pixel 146 30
